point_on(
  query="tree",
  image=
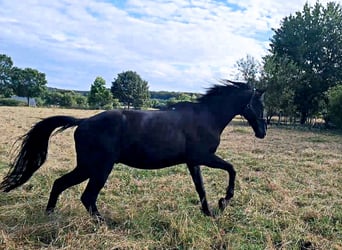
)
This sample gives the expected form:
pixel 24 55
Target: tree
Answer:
pixel 335 104
pixel 171 101
pixel 100 97
pixel 130 89
pixel 312 40
pixel 64 98
pixel 249 69
pixel 6 65
pixel 81 101
pixel 279 76
pixel 28 82
pixel 53 98
pixel 67 99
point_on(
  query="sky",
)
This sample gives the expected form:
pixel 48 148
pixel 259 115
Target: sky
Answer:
pixel 174 45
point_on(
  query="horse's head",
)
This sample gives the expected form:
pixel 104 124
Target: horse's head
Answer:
pixel 240 99
pixel 254 113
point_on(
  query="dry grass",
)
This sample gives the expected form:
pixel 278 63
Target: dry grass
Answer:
pixel 288 196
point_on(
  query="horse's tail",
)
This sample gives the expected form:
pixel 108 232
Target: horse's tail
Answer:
pixel 33 150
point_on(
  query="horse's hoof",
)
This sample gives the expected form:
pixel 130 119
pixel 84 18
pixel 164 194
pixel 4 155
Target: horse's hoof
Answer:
pixel 98 219
pixel 208 213
pixel 223 203
pixel 49 211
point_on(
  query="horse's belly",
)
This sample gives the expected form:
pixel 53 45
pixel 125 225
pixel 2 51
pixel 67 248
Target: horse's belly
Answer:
pixel 151 164
pixel 151 158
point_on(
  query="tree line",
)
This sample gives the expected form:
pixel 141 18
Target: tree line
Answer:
pixel 128 90
pixel 302 74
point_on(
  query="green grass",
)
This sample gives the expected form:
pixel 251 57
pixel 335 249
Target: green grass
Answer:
pixel 288 196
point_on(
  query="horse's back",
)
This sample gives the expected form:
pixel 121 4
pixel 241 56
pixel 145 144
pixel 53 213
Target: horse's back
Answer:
pixel 101 123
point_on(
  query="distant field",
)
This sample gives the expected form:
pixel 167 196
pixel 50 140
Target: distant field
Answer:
pixel 288 196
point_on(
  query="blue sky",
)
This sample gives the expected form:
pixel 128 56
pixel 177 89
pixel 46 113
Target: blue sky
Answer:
pixel 174 45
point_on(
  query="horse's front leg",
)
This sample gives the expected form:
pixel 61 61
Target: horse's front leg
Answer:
pixel 196 175
pixel 214 161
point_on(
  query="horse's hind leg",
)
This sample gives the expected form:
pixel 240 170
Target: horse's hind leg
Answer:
pixel 72 178
pixel 96 182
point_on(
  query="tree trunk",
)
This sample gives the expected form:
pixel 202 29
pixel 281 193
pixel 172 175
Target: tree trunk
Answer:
pixel 303 118
pixel 28 101
pixel 268 119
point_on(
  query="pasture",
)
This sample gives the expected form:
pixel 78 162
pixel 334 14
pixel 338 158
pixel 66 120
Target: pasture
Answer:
pixel 288 196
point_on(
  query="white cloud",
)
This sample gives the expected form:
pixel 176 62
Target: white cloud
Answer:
pixel 174 45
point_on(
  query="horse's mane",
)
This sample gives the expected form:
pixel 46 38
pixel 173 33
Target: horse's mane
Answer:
pixel 225 88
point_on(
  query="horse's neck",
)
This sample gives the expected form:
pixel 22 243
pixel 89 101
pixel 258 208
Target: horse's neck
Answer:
pixel 221 115
pixel 224 119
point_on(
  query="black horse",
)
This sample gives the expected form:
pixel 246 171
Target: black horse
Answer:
pixel 185 133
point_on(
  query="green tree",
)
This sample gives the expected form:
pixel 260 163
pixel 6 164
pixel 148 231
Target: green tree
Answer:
pixel 52 98
pixel 28 82
pixel 312 40
pixel 62 98
pixel 335 105
pixel 130 89
pixel 249 69
pixel 279 75
pixel 81 101
pixel 6 65
pixel 183 97
pixel 67 99
pixel 116 103
pixel 99 96
pixel 171 101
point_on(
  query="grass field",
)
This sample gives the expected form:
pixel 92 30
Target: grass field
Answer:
pixel 288 196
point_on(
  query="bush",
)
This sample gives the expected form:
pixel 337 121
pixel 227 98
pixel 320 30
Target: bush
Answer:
pixel 11 102
pixel 335 104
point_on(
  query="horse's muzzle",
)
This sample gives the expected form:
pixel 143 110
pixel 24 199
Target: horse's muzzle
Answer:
pixel 262 128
